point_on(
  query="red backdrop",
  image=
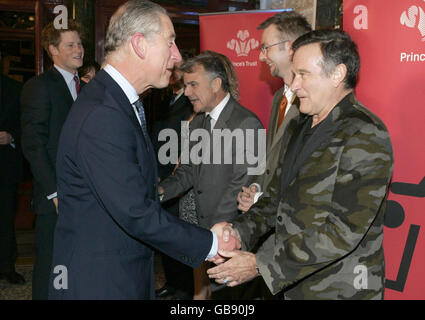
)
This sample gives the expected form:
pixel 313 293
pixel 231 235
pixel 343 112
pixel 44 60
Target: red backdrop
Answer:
pixel 391 40
pixel 236 36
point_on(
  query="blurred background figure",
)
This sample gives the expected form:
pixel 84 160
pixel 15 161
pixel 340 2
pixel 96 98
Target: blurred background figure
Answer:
pixel 45 102
pixel 88 71
pixel 10 175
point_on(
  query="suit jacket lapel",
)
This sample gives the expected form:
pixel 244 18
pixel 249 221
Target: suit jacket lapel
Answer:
pixel 321 136
pixel 122 101
pixel 196 123
pixel 225 115
pixel 58 83
pixel 219 125
pixel 274 116
pixel 292 112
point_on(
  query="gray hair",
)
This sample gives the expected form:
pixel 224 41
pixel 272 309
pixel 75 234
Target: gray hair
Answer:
pixel 213 64
pixel 132 17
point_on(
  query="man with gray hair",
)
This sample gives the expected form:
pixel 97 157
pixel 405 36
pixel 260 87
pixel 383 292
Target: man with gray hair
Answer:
pixel 215 183
pixel 110 218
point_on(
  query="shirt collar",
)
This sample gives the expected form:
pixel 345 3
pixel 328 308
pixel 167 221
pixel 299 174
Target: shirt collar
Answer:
pixel 179 94
pixel 288 93
pixel 215 113
pixel 68 76
pixel 128 89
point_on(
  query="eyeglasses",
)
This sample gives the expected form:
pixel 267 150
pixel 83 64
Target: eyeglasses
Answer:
pixel 264 48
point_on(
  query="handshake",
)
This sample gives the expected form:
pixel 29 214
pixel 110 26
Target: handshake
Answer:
pixel 234 266
pixel 228 240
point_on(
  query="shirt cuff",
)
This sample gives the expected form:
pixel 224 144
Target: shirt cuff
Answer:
pixel 257 185
pixel 214 247
pixel 53 195
pixel 12 143
pixel 257 195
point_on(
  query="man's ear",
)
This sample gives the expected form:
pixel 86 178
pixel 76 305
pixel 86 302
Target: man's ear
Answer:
pixel 138 43
pixel 216 84
pixel 53 50
pixel 288 48
pixel 338 75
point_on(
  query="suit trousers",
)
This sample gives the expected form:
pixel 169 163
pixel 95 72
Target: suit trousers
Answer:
pixel 8 251
pixel 44 234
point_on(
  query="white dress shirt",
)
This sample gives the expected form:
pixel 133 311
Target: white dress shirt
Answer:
pixel 69 79
pixel 215 113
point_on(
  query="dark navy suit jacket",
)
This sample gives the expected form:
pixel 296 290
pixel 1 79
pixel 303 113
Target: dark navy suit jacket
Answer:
pixel 110 218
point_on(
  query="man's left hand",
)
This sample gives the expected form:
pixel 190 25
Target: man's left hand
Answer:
pixel 240 268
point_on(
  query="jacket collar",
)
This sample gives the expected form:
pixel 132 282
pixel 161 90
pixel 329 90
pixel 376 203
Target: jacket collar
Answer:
pixel 293 162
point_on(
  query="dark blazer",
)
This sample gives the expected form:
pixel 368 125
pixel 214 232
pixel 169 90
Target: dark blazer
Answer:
pixel 110 217
pixel 216 186
pixel 45 103
pixel 170 116
pixel 10 157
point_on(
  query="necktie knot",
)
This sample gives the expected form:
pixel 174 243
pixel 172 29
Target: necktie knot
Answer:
pixel 139 105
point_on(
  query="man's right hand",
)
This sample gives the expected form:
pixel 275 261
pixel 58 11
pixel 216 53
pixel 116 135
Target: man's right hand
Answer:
pixel 246 198
pixel 228 239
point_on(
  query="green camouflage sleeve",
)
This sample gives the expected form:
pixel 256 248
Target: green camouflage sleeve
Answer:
pixel 261 217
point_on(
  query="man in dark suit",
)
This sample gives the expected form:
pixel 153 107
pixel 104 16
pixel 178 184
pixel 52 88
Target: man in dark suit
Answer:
pixel 45 101
pixel 110 217
pixel 10 176
pixel 174 108
pixel 216 184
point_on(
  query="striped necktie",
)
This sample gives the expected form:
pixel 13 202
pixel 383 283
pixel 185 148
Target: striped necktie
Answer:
pixel 141 112
pixel 77 84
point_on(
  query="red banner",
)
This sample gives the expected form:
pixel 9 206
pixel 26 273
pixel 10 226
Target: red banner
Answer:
pixel 236 36
pixel 391 40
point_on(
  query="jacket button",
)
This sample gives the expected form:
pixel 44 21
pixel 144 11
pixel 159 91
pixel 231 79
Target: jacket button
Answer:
pixel 199 191
pixel 267 171
pixel 279 218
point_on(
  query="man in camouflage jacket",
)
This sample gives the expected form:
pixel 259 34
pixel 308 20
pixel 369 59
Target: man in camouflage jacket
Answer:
pixel 327 200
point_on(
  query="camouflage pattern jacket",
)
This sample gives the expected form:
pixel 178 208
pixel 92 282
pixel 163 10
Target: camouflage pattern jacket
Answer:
pixel 329 217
